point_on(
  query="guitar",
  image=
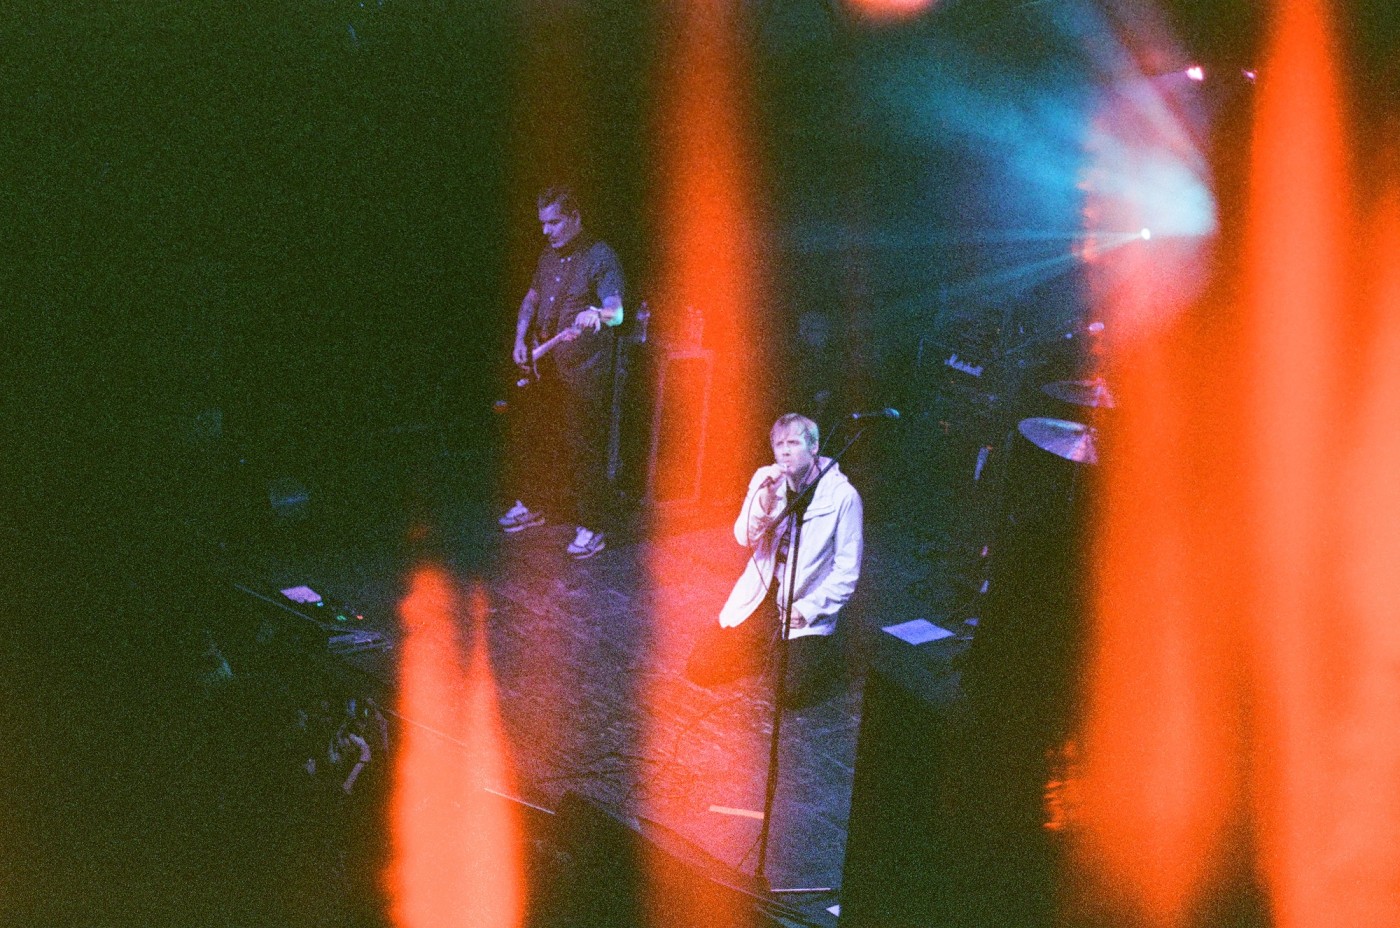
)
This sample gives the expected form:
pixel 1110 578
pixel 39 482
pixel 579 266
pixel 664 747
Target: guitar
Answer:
pixel 530 371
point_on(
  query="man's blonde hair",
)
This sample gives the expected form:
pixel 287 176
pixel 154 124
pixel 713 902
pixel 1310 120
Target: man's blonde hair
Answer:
pixel 805 426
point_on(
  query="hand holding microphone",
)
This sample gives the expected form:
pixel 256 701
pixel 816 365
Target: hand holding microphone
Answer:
pixel 765 499
pixel 767 495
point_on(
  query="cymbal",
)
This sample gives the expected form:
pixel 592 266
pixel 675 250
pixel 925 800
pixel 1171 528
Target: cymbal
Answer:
pixel 1069 440
pixel 1081 392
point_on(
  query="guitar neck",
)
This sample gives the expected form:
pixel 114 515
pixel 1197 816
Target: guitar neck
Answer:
pixel 546 347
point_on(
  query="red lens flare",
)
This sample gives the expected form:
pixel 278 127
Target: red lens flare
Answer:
pixel 1241 693
pixel 710 276
pixel 457 856
pixel 886 11
pixel 1297 305
pixel 1366 787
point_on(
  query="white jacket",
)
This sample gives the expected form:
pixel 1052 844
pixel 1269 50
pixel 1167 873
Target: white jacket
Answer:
pixel 829 553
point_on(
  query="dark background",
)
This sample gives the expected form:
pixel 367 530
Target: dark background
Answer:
pixel 317 218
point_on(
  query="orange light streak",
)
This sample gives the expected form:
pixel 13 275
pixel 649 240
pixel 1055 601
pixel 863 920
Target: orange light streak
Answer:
pixel 1366 790
pixel 1159 729
pixel 1298 306
pixel 709 269
pixel 710 253
pixel 457 850
pixel 1243 692
pixel 711 247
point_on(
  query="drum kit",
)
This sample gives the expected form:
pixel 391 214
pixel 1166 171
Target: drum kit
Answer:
pixel 1073 441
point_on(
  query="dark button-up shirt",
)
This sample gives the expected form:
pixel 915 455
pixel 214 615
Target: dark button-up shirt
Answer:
pixel 582 274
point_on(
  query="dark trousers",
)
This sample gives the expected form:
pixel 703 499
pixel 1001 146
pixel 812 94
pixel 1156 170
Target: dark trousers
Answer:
pixel 558 453
pixel 724 655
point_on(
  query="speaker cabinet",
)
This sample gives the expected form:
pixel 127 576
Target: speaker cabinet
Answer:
pixel 941 832
pixel 614 874
pixel 680 426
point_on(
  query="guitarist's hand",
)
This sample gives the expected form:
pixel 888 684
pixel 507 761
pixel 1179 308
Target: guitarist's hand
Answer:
pixel 590 319
pixel 521 354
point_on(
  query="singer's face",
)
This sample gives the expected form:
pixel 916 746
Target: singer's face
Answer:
pixel 791 452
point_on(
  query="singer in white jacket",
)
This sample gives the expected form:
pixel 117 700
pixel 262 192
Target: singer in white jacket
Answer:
pixel 822 579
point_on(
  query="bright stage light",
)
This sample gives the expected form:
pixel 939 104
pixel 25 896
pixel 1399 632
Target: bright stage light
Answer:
pixel 1196 72
pixel 1146 234
pixel 889 10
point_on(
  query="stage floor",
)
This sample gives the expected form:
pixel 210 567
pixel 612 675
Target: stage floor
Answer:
pixel 589 691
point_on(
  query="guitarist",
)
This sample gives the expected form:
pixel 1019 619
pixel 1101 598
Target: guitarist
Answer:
pixel 577 290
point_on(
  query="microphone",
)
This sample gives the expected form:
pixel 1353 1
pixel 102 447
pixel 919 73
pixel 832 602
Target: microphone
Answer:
pixel 886 413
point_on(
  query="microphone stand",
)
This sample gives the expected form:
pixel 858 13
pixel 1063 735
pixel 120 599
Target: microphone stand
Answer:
pixel 795 508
